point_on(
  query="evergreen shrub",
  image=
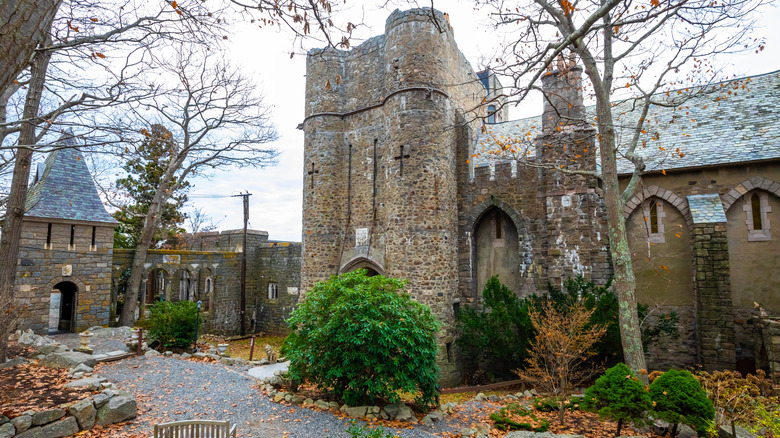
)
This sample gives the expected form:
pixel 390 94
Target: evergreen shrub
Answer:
pixel 514 417
pixel 364 339
pixel 679 398
pixel 173 324
pixel 618 395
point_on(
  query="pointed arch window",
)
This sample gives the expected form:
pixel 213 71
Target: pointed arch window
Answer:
pixel 757 209
pixel 653 212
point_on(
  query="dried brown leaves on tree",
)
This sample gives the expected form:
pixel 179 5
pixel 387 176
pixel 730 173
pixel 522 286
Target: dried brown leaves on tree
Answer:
pixel 558 360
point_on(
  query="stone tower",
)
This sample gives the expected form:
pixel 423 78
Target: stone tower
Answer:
pixel 380 182
pixel 63 280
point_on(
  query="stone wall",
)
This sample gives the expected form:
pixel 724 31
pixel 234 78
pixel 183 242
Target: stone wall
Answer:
pixel 43 266
pixel 276 263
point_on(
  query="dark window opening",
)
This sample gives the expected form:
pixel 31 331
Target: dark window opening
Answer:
pixel 456 310
pixel 449 351
pixel 654 217
pixel 48 236
pixel 94 229
pixel 72 235
pixel 499 225
pixel 755 204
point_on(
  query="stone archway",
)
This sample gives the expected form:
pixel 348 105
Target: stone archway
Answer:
pixel 62 307
pixel 496 250
pixel 371 266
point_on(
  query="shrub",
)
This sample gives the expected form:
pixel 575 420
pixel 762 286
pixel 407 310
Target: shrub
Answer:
pixel 618 395
pixel 363 339
pixel 173 324
pixel 559 355
pixel 514 417
pixel 679 398
pixel 736 398
pixel 549 404
pixel 363 431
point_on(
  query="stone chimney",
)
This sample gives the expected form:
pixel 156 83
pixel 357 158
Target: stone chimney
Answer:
pixel 563 104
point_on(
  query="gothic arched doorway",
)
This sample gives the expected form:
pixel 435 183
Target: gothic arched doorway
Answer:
pixel 496 250
pixel 372 268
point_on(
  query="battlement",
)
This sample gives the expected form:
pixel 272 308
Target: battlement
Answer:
pixel 500 170
pixel 420 14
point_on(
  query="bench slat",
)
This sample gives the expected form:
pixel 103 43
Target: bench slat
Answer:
pixel 195 429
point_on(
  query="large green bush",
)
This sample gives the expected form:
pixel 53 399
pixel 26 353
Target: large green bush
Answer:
pixel 679 398
pixel 364 339
pixel 173 324
pixel 619 396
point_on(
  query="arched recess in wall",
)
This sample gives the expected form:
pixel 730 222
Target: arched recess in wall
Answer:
pixel 753 215
pixel 63 303
pixel 495 242
pixel 659 238
pixel 158 283
pixel 371 266
pixel 205 292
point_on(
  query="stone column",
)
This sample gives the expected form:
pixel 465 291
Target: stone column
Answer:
pixel 715 312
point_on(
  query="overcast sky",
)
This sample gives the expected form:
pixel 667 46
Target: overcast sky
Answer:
pixel 275 204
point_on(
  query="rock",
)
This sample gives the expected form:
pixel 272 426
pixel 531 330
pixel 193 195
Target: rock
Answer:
pixel 78 375
pixel 80 368
pixel 308 401
pixel 333 406
pixel 480 397
pixel 529 434
pixel 384 415
pixel 227 361
pixel 106 385
pixel 185 355
pixel 401 412
pixel 264 361
pixel 296 400
pixel 68 359
pixel 533 392
pixel 276 381
pixel 468 433
pixel 13 362
pixel 168 353
pixel 22 423
pixel 152 353
pixel 448 408
pixel 355 412
pixel 51 348
pixel 725 432
pixel 118 408
pixel 45 417
pixel 493 398
pixel 527 394
pixel 278 397
pixel 685 431
pixel 322 404
pixel 7 430
pixel 27 339
pixel 200 355
pixel 100 399
pixel 91 383
pixel 84 412
pixel 435 415
pixel 65 427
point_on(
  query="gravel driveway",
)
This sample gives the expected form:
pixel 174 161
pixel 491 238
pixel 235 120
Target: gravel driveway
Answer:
pixel 170 389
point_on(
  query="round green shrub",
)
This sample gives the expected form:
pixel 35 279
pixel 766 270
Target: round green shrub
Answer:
pixel 363 339
pixel 619 396
pixel 679 398
pixel 173 324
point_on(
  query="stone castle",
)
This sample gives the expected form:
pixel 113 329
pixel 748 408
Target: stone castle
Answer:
pixel 399 179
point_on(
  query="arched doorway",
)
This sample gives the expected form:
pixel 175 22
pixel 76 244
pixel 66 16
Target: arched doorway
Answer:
pixel 62 311
pixel 497 250
pixel 372 268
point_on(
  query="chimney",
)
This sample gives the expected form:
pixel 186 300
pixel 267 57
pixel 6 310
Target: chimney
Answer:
pixel 563 103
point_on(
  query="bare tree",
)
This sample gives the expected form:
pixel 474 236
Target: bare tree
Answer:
pixel 631 50
pixel 216 121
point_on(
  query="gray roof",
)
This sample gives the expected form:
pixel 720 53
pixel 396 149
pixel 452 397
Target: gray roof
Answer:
pixel 706 209
pixel 710 129
pixel 66 189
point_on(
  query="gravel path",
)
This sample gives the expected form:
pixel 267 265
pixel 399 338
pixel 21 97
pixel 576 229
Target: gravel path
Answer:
pixel 170 389
pixel 103 340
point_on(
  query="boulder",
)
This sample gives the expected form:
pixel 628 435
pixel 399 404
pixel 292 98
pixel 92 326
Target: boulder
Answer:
pixel 276 382
pixel 278 397
pixel 227 361
pixel 355 411
pixel 13 362
pixel 399 411
pixel 22 423
pixel 45 417
pixel 725 432
pixel 118 408
pixel 152 353
pixel 68 359
pixel 322 404
pixel 199 355
pixel 100 399
pixel 65 427
pixel 80 368
pixel 7 430
pixel 480 397
pixel 84 412
pixel 185 356
pixel 91 383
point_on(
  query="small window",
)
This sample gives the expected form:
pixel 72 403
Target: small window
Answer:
pixel 653 214
pixel 756 210
pixel 499 226
pixel 449 351
pixel 207 294
pixel 491 118
pixel 273 291
pixel 72 244
pixel 456 310
pixel 48 238
pixel 92 246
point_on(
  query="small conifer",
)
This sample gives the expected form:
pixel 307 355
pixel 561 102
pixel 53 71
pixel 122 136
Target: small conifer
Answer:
pixel 679 398
pixel 618 395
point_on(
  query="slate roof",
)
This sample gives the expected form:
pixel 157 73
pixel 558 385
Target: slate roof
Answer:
pixel 706 209
pixel 66 189
pixel 712 129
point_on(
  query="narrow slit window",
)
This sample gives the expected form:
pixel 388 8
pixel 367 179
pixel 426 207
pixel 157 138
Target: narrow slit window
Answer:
pixel 92 245
pixel 755 204
pixel 72 236
pixel 449 351
pixel 654 217
pixel 456 310
pixel 273 291
pixel 491 114
pixel 499 226
pixel 48 237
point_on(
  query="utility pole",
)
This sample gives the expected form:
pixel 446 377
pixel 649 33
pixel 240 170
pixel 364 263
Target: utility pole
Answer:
pixel 242 306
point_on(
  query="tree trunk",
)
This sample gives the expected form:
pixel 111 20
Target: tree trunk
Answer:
pixel 151 222
pixel 12 226
pixel 25 23
pixel 619 427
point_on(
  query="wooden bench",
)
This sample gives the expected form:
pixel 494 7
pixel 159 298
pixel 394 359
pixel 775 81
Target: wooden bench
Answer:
pixel 195 429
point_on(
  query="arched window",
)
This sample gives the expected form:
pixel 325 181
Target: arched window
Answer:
pixel 653 212
pixel 491 118
pixel 756 211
